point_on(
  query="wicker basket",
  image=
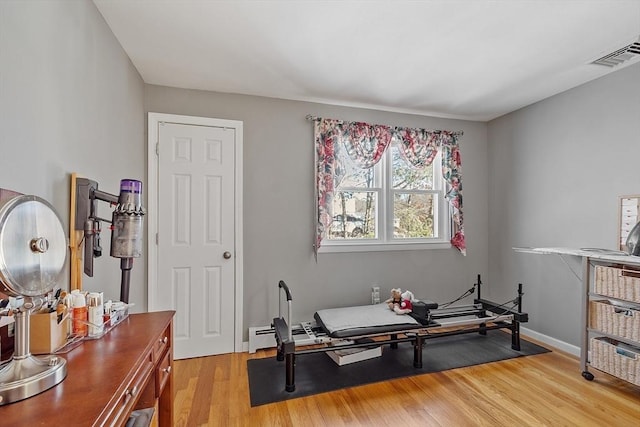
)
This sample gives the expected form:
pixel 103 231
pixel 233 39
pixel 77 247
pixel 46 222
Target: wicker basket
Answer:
pixel 615 320
pixel 620 283
pixel 615 358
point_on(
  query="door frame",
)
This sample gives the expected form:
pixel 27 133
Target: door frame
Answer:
pixel 154 119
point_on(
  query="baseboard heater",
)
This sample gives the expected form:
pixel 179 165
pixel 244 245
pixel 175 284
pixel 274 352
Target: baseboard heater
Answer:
pixel 306 333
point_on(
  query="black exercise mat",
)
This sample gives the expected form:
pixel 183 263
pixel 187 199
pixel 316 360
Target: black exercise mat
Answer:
pixel 318 373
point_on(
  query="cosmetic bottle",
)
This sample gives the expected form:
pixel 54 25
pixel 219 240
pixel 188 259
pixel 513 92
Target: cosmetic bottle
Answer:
pixel 96 313
pixel 79 313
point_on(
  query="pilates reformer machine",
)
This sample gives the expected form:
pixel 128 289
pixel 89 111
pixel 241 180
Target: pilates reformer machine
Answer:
pixel 356 327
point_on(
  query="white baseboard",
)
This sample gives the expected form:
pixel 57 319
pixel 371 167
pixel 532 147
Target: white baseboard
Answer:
pixel 560 345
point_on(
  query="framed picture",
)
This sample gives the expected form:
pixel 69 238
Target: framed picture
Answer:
pixel 628 217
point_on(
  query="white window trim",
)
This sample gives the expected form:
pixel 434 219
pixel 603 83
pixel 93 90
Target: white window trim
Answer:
pixel 381 247
pixel 443 222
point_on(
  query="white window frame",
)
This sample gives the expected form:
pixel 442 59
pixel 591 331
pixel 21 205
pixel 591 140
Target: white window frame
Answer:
pixel 384 210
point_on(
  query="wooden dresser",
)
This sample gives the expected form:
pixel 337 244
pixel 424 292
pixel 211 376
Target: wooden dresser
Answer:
pixel 129 368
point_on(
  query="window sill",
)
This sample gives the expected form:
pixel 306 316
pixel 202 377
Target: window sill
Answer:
pixel 381 247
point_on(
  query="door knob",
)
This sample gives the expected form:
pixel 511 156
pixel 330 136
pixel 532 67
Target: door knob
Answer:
pixel 226 255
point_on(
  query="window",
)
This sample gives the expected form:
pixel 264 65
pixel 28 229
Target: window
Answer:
pixel 379 187
pixel 391 203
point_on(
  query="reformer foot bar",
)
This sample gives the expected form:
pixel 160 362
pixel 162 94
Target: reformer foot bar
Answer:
pixel 489 316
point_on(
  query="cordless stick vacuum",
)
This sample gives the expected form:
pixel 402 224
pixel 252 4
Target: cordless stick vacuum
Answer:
pixel 126 225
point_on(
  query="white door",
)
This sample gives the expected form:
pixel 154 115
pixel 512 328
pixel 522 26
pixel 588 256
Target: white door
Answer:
pixel 196 236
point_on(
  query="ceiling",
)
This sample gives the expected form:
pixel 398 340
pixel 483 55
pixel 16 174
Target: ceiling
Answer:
pixel 467 59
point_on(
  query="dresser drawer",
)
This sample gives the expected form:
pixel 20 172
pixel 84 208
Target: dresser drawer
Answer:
pixel 161 344
pixel 131 392
pixel 163 373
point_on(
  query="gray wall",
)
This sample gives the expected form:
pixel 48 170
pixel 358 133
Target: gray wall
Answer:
pixel 278 208
pixel 70 101
pixel 557 169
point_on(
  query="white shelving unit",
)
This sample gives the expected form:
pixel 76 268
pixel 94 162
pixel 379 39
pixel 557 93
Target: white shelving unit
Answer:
pixel 610 311
pixel 612 324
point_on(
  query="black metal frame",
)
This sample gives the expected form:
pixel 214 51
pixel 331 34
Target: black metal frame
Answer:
pixel 286 347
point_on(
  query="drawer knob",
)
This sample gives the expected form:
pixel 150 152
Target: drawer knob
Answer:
pixel 167 369
pixel 164 340
pixel 131 393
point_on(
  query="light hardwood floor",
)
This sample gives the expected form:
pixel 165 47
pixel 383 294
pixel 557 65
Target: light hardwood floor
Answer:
pixel 541 390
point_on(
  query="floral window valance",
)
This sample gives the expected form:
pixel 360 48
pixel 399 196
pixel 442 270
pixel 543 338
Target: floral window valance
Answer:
pixel 366 143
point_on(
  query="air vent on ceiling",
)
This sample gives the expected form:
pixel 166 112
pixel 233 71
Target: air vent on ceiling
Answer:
pixel 619 56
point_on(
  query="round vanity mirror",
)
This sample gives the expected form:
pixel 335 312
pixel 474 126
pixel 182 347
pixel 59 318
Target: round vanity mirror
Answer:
pixel 33 246
pixel 33 252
